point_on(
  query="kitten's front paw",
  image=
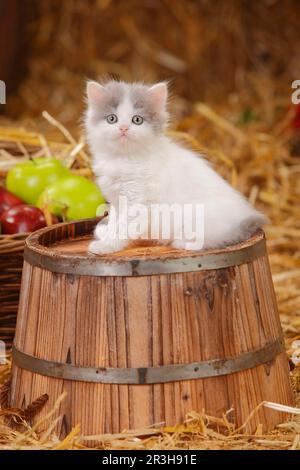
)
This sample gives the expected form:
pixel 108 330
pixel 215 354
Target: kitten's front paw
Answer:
pixel 95 247
pixel 106 246
pixel 187 245
pixel 101 231
pixel 178 244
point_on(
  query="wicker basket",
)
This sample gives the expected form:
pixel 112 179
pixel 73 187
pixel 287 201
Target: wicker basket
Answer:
pixel 11 246
pixel 16 145
pixel 11 263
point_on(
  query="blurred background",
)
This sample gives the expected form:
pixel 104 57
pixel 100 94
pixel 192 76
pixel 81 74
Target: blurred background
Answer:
pixel 230 52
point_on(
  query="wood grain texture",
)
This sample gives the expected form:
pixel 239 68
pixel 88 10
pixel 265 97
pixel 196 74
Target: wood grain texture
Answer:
pixel 151 321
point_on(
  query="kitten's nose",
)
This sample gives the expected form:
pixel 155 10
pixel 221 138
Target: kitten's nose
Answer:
pixel 123 129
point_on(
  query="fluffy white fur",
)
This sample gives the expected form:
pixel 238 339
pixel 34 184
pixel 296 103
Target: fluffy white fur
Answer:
pixel 146 167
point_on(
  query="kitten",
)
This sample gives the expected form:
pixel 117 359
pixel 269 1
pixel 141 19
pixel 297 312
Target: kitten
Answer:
pixel 133 158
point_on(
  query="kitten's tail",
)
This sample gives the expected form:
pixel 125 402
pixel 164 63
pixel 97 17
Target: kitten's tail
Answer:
pixel 252 223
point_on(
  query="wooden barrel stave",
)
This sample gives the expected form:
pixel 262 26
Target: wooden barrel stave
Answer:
pixel 149 321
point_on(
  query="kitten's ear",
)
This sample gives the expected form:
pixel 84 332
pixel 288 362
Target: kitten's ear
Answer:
pixel 95 93
pixel 159 94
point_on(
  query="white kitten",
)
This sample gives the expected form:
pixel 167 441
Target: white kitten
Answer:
pixel 133 158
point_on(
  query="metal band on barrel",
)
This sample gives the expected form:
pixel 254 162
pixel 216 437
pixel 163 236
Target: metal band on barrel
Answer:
pixel 95 266
pixel 149 375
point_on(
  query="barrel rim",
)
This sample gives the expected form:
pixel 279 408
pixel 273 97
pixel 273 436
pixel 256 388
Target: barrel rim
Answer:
pixel 38 254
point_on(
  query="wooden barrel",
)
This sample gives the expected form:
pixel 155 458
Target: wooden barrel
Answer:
pixel 148 334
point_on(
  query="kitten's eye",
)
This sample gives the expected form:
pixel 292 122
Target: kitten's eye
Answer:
pixel 112 118
pixel 138 120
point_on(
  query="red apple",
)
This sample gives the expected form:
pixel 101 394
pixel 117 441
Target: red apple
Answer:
pixel 8 200
pixel 22 218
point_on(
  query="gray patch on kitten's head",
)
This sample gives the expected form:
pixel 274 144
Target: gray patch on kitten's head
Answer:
pixel 113 96
pixel 144 105
pixel 115 92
